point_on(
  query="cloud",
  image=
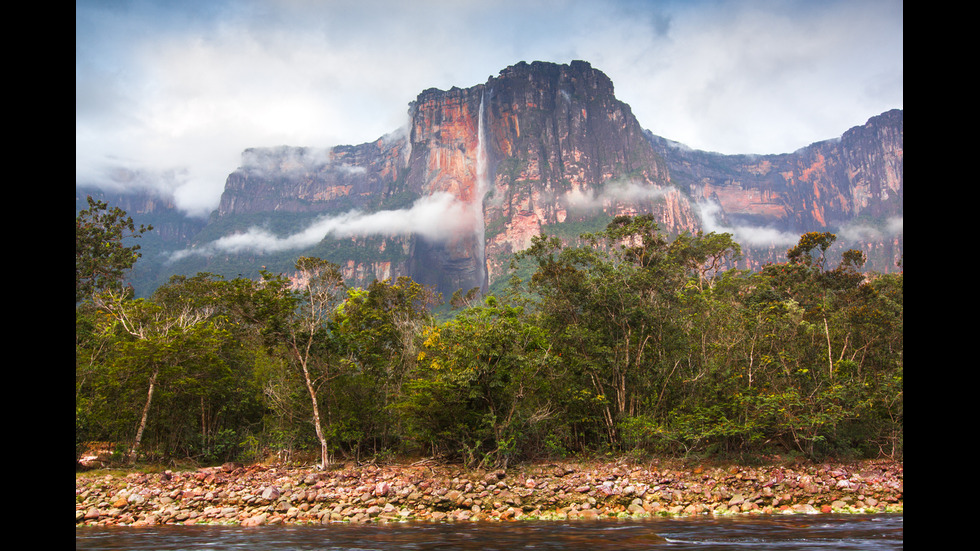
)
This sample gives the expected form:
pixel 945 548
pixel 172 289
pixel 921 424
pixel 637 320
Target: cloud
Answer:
pixel 287 160
pixel 750 236
pixel 579 199
pixel 436 217
pixel 761 236
pixel 892 227
pixel 762 77
pixel 896 225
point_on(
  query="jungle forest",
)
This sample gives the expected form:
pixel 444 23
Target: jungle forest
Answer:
pixel 626 342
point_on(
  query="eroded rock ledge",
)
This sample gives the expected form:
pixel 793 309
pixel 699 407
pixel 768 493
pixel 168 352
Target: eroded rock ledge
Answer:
pixel 270 494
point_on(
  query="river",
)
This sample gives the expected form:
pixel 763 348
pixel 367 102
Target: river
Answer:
pixel 756 532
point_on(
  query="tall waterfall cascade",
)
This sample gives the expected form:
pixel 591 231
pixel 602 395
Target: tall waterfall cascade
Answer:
pixel 482 186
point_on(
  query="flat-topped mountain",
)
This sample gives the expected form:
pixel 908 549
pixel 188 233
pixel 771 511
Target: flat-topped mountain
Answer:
pixel 539 148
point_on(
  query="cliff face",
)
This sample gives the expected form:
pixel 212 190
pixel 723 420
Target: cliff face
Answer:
pixel 539 145
pixel 564 149
pixel 544 148
pixel 449 157
pixel 852 186
pixel 301 179
pixel 823 185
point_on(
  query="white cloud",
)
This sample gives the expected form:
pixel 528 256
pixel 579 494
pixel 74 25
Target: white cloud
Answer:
pixel 861 232
pixel 896 225
pixel 764 77
pixel 629 191
pixel 435 217
pixel 762 236
pixel 749 236
pixel 288 159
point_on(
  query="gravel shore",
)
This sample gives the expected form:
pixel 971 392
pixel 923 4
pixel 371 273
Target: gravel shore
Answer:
pixel 272 494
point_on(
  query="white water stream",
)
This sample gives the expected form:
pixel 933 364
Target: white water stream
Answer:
pixel 482 186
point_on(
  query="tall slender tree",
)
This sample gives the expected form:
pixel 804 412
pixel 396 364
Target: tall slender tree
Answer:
pixel 308 335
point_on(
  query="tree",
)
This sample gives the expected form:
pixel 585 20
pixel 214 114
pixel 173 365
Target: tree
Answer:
pixel 377 330
pixel 482 385
pixel 706 255
pixel 162 338
pixel 609 305
pixel 802 252
pixel 101 259
pixel 308 334
pixel 214 403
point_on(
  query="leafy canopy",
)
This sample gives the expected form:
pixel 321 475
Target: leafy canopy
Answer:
pixel 101 259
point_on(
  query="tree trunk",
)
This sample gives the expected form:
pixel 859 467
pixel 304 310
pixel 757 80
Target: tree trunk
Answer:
pixel 830 357
pixel 146 413
pixel 324 452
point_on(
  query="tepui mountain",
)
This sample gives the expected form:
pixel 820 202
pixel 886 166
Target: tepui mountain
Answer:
pixel 478 172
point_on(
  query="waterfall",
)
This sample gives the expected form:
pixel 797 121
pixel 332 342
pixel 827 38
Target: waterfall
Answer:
pixel 482 186
pixel 481 152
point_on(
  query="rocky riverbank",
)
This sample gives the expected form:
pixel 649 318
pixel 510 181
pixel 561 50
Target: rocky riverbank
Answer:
pixel 269 494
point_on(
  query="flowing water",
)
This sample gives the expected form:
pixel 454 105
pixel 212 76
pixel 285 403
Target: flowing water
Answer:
pixel 482 186
pixel 758 533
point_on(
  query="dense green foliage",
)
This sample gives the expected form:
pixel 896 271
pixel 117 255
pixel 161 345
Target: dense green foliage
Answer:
pixel 629 342
pixel 101 258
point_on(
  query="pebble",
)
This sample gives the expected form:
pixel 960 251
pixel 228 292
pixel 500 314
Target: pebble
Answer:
pixel 260 494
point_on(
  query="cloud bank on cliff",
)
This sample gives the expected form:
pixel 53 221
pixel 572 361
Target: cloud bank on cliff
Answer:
pixel 284 160
pixel 761 236
pixel 629 191
pixel 174 91
pixel 892 227
pixel 749 236
pixel 436 217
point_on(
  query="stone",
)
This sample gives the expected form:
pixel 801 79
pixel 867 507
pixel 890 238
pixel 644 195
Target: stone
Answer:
pixel 231 466
pixel 257 520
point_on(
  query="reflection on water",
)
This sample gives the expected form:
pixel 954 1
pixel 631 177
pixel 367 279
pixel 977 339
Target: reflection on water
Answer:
pixel 837 532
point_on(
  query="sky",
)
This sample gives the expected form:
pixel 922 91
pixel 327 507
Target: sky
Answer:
pixel 169 94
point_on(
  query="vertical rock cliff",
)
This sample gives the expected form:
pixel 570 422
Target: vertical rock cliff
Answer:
pixel 563 149
pixel 449 157
pixel 539 145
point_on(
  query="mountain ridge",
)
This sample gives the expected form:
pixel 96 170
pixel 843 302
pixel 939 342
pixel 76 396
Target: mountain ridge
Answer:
pixel 539 147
